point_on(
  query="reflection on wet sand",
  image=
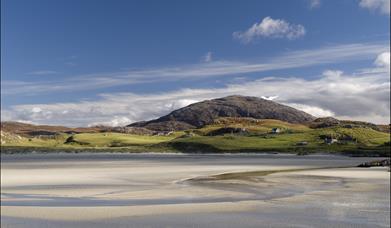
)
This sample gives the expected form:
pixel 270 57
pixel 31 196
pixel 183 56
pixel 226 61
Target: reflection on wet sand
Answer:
pixel 192 190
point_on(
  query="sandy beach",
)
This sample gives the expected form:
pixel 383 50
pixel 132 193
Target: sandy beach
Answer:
pixel 173 190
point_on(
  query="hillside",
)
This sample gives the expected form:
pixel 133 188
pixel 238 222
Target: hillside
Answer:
pixel 228 134
pixel 25 129
pixel 230 124
pixel 258 135
pixel 206 112
pixel 8 138
pixel 31 130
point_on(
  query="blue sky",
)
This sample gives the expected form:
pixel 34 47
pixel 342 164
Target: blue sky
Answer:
pixel 86 62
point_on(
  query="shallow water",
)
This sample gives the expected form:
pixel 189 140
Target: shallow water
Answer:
pixel 153 190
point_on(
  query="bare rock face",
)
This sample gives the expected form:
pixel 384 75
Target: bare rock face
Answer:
pixel 206 112
pixel 325 122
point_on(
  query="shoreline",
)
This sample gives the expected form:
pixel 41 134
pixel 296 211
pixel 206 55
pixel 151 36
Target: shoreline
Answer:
pixel 29 150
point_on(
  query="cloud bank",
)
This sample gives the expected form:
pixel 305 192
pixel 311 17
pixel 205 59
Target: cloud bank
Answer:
pixel 364 95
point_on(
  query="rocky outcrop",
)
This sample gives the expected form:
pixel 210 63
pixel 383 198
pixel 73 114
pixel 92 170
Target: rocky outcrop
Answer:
pixel 325 122
pixel 228 130
pixel 385 162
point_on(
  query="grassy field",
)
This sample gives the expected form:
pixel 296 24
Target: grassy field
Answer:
pixel 253 126
pixel 258 138
pixel 119 140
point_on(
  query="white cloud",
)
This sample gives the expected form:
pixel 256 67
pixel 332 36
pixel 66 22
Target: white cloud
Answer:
pixel 270 98
pixel 207 57
pixel 313 110
pixel 176 104
pixel 332 74
pixel 383 60
pixel 271 28
pixel 314 4
pixel 36 110
pixel 293 59
pixel 382 6
pixel 363 96
pixel 117 121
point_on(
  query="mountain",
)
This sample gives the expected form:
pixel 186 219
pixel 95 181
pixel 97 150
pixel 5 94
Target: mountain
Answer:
pixel 203 113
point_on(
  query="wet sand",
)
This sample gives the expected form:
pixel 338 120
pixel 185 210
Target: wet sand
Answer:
pixel 174 190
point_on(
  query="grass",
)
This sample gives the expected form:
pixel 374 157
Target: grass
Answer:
pixel 119 139
pixel 360 140
pixel 258 139
pixel 228 142
pixel 38 142
pixel 366 136
pixel 253 126
pixel 94 142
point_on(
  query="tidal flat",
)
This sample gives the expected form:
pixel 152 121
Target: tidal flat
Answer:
pixel 192 190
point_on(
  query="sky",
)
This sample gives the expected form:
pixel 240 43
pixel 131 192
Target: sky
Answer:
pixel 93 62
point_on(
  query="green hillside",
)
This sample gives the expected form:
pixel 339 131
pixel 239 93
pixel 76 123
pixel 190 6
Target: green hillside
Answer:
pixel 224 135
pixel 292 137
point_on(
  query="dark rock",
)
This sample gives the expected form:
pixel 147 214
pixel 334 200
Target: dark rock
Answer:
pixel 228 130
pixel 325 122
pixel 71 140
pixel 385 162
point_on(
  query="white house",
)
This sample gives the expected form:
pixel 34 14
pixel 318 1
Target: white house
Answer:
pixel 276 130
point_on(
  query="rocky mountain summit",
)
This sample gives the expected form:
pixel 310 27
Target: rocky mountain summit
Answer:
pixel 206 112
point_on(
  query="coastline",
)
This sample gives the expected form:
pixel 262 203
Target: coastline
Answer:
pixel 365 152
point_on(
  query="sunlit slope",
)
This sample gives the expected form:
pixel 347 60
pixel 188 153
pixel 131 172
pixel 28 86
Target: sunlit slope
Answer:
pixel 118 139
pixel 259 137
pixel 224 135
pixel 252 125
pixel 361 137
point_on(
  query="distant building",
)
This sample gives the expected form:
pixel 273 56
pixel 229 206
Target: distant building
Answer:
pixel 330 140
pixel 163 133
pixel 302 143
pixel 276 130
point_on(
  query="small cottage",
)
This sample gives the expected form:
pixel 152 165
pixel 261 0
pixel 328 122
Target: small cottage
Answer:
pixel 276 130
pixel 329 140
pixel 163 133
